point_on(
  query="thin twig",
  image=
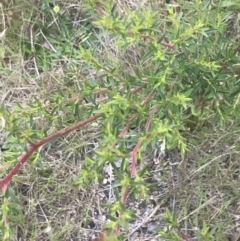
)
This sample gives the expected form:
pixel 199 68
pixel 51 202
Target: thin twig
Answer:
pixel 145 220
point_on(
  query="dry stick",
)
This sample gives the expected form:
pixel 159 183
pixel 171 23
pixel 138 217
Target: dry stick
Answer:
pixel 34 146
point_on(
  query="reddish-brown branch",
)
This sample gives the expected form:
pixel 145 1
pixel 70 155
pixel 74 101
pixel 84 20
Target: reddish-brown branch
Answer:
pixel 148 97
pixel 34 146
pixel 124 201
pixel 4 167
pixel 136 89
pixel 126 128
pixel 133 170
pixel 76 98
pixel 183 235
pixel 124 197
pixel 136 148
pixel 168 45
pixel 96 92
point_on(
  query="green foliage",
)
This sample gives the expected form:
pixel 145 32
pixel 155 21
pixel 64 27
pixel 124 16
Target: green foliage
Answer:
pixel 170 233
pixel 184 66
pixel 232 5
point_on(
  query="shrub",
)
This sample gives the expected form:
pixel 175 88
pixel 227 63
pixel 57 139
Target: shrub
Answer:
pixel 158 78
